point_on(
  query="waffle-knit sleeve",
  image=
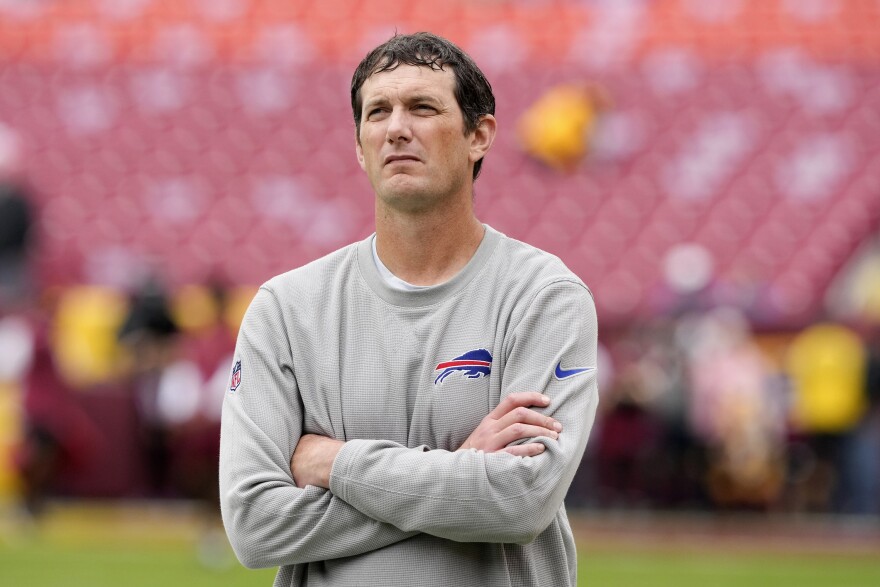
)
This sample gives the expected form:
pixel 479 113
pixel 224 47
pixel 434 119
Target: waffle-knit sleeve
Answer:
pixel 269 520
pixel 472 496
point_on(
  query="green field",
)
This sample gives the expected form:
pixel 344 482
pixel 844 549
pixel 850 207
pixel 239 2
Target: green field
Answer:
pixel 636 569
pixel 149 546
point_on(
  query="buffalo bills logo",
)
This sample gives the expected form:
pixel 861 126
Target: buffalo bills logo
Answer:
pixel 472 364
pixel 235 381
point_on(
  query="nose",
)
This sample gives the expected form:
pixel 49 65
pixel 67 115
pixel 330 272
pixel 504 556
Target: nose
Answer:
pixel 399 128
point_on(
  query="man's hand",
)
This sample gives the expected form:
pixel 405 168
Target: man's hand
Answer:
pixel 313 459
pixel 513 419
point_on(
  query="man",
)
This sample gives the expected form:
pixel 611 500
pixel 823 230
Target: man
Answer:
pixel 411 409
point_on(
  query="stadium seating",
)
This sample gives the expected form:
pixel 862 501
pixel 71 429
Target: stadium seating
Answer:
pixel 217 137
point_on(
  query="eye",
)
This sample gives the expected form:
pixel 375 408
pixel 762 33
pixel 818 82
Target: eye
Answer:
pixel 425 108
pixel 374 113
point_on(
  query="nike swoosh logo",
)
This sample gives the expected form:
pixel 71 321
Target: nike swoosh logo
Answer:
pixel 566 373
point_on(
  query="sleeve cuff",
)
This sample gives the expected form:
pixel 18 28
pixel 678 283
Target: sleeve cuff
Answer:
pixel 342 464
pixel 347 458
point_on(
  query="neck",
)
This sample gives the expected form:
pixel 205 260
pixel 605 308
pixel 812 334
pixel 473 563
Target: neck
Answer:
pixel 427 249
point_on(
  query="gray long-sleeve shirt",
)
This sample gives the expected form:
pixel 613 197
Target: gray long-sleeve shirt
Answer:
pixel 404 378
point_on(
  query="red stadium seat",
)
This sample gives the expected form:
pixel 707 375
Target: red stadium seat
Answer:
pixel 265 145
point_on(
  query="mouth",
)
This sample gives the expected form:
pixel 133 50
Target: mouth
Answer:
pixel 398 158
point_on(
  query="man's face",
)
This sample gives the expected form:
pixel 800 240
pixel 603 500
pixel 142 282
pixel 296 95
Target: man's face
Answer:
pixel 412 142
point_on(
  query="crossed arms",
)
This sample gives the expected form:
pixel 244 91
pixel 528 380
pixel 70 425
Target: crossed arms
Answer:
pixel 381 492
pixel 509 422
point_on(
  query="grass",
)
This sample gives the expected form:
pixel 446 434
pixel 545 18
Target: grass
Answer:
pixel 727 551
pixel 142 546
pixel 91 565
pixel 659 569
pixel 97 546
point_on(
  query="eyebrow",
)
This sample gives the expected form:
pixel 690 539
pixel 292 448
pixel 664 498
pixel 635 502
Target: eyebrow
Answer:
pixel 374 102
pixel 422 98
pixel 415 98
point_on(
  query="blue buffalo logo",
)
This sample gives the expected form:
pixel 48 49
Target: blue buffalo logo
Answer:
pixel 472 364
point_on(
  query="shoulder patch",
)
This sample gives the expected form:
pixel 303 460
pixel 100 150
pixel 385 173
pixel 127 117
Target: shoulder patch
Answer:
pixel 235 380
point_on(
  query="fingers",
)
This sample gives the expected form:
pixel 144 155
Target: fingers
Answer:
pixel 531 449
pixel 519 431
pixel 515 418
pixel 519 399
pixel 522 415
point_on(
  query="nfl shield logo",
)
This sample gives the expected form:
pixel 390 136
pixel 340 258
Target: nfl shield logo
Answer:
pixel 236 376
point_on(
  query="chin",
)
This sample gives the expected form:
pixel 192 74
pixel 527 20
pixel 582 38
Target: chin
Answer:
pixel 408 200
pixel 401 187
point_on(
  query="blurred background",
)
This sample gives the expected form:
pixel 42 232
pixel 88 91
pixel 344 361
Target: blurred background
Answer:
pixel 710 168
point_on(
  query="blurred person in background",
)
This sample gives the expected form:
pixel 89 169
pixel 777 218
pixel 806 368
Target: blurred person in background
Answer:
pixel 559 128
pixel 827 366
pixel 646 454
pixel 627 443
pixel 59 436
pixel 411 409
pixel 149 335
pixel 189 401
pixel 634 462
pixel 735 412
pixel 16 222
pixel 864 463
pixel 663 371
pixel 190 398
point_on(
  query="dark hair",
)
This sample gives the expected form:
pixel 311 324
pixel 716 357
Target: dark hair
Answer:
pixel 472 90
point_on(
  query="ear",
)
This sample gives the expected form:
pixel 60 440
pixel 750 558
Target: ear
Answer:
pixel 360 153
pixel 483 137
